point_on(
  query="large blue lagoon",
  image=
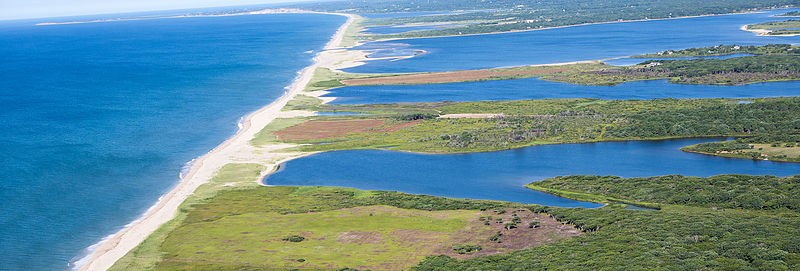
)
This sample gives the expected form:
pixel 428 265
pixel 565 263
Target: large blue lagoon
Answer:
pixel 501 175
pixel 590 42
pixel 533 88
pixel 96 120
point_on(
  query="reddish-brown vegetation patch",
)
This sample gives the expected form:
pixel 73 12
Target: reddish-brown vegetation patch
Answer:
pixel 330 129
pixel 360 237
pixel 547 231
pixel 453 76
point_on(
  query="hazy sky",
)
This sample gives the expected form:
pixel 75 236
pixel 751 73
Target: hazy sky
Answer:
pixel 19 9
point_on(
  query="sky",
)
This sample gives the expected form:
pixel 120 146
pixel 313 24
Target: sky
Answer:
pixel 23 9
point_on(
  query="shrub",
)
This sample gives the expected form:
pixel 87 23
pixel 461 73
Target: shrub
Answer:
pixel 294 238
pixel 465 249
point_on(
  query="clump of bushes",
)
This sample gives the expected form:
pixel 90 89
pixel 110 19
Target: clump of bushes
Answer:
pixel 416 116
pixel 496 237
pixel 294 238
pixel 466 249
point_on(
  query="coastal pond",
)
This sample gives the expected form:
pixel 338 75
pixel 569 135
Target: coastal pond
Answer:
pixel 501 175
pixel 588 42
pixel 534 88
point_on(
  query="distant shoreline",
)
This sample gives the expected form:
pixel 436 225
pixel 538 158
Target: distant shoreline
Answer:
pixel 233 150
pixel 257 12
pixel 575 25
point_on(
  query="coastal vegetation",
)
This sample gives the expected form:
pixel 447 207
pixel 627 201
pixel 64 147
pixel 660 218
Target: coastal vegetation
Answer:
pixel 731 71
pixel 517 15
pixel 780 147
pixel 283 227
pixel 790 14
pixel 726 222
pixel 775 62
pixel 721 50
pixel 782 28
pixel 784 32
pixel 776 25
pixel 692 231
pixel 425 127
pixel 722 191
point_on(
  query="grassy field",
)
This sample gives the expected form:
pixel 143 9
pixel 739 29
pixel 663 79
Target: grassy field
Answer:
pixel 231 177
pixel 260 228
pixel 234 224
pixel 415 126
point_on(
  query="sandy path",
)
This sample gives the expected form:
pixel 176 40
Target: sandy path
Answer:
pixel 236 149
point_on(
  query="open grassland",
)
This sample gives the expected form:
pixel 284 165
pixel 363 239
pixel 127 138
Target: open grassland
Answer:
pixel 417 126
pixel 727 222
pixel 368 237
pixel 785 147
pixel 256 228
pixel 230 177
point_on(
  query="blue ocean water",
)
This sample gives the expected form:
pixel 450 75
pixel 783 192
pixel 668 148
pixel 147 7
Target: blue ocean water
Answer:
pixel 533 88
pixel 97 120
pixel 501 175
pixel 590 42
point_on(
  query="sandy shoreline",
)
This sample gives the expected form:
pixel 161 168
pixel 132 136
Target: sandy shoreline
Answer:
pixel 236 149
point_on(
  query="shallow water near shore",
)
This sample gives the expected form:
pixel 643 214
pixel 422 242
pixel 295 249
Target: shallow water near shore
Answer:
pixel 99 118
pixel 589 42
pixel 501 175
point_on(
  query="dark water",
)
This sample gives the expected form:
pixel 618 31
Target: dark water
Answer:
pixel 501 175
pixel 533 88
pixel 600 41
pixel 97 120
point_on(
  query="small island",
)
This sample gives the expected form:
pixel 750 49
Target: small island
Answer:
pixel 790 14
pixel 784 148
pixel 781 28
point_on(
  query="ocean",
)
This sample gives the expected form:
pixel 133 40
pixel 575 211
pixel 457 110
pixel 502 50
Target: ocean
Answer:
pixel 97 120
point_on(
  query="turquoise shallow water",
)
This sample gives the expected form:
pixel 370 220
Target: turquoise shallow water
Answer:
pixel 97 120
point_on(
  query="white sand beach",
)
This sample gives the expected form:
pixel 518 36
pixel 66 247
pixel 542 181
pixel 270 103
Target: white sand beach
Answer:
pixel 236 149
